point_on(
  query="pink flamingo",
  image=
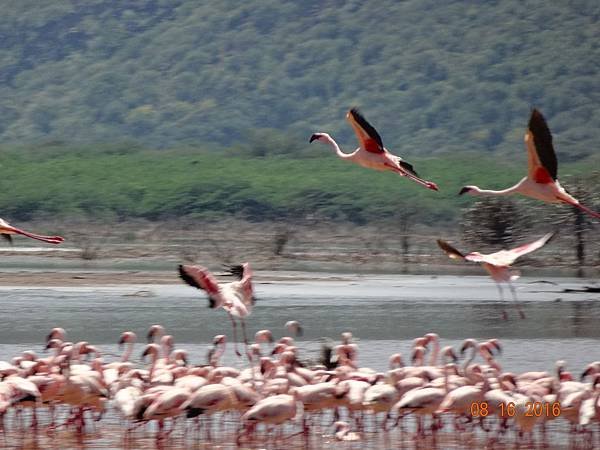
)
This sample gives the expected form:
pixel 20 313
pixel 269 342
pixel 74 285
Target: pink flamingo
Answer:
pixel 274 410
pixel 236 298
pixel 371 153
pixel 498 264
pixel 541 181
pixel 7 231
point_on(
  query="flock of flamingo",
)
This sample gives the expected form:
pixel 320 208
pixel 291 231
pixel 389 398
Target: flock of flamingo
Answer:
pixel 280 395
pixel 278 389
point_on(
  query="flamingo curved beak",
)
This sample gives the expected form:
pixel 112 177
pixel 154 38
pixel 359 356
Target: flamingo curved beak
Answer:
pixel 314 137
pixel 464 190
pixel 432 186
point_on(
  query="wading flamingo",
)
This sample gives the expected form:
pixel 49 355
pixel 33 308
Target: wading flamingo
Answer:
pixel 7 231
pixel 371 153
pixel 236 298
pixel 294 327
pixel 541 181
pixel 498 264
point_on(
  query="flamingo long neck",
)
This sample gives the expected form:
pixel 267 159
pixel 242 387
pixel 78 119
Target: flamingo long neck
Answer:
pixel 154 357
pixel 338 150
pixel 434 353
pixel 470 359
pixel 492 362
pixel 446 385
pixel 167 350
pixel 511 190
pixel 219 350
pixel 486 383
pixel 127 352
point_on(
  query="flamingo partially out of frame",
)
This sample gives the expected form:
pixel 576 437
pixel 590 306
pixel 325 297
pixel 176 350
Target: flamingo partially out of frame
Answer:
pixel 541 181
pixel 7 230
pixel 498 264
pixel 236 297
pixel 371 153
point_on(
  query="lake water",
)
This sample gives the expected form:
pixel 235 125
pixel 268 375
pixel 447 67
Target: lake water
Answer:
pixel 385 313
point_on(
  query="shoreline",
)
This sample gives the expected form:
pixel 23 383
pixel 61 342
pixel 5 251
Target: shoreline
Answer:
pixel 78 277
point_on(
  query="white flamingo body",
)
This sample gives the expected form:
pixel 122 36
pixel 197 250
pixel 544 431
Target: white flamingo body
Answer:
pixel 422 401
pixel 191 382
pixel 125 401
pixel 380 397
pixel 318 396
pixel 273 410
pixel 168 404
pixel 210 399
pixel 461 399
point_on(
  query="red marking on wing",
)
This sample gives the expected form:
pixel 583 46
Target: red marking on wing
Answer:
pixel 541 175
pixel 372 146
pixel 200 277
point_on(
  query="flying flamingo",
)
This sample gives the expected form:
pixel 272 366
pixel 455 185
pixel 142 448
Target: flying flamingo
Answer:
pixel 541 181
pixel 498 264
pixel 371 153
pixel 236 298
pixel 7 230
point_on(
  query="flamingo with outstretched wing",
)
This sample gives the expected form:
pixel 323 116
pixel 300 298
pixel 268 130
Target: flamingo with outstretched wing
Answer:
pixel 371 153
pixel 498 264
pixel 236 297
pixel 541 181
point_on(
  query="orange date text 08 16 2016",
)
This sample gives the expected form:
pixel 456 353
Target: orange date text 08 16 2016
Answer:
pixel 528 409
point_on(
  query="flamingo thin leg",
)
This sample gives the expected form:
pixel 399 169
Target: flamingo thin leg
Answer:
pixel 235 346
pixel 514 294
pixel 504 314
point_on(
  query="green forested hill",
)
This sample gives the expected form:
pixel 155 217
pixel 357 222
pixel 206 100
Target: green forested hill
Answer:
pixel 121 182
pixel 431 75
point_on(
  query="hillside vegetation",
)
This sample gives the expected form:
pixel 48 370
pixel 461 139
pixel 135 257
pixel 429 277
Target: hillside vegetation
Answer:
pixel 120 182
pixel 432 75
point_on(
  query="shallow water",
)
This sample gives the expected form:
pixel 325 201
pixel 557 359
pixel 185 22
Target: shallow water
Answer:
pixel 385 313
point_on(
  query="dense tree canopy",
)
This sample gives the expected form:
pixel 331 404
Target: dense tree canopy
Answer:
pixel 122 181
pixel 432 75
pixel 163 108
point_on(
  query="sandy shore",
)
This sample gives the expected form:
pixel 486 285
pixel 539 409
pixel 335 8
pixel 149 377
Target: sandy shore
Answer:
pixel 28 277
pixel 73 278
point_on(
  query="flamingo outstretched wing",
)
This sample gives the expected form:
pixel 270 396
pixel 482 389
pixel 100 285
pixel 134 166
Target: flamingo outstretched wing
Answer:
pixel 199 277
pixel 365 132
pixel 542 163
pixel 449 250
pixel 507 257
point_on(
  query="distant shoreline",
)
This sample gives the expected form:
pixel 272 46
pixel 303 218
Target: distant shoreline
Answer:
pixel 149 252
pixel 38 277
